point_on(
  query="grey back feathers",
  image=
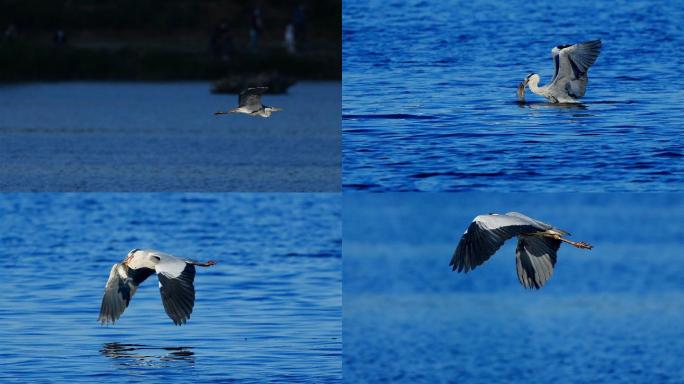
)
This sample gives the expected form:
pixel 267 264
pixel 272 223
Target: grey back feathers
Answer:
pixel 582 56
pixel 571 64
pixel 250 98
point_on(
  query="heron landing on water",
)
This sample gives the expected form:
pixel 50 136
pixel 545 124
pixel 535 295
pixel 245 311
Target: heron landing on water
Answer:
pixel 249 103
pixel 569 82
pixel 535 255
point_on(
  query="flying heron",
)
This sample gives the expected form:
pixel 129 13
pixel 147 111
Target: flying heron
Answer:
pixel 535 254
pixel 175 275
pixel 569 82
pixel 249 103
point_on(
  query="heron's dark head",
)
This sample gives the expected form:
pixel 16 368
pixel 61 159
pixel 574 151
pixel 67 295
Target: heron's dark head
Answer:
pixel 531 78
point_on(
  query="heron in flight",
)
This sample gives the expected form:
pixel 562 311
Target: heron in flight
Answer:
pixel 176 276
pixel 569 82
pixel 535 254
pixel 249 103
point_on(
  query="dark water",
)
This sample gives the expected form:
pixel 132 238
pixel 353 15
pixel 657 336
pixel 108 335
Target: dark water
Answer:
pixel 429 97
pixel 164 137
pixel 613 314
pixel 270 310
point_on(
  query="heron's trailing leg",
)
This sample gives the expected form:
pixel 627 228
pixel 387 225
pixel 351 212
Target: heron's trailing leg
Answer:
pixel 578 244
pixel 556 234
pixel 200 264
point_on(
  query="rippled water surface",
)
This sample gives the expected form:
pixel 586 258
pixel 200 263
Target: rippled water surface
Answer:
pixel 429 97
pixel 269 311
pixel 98 136
pixel 614 314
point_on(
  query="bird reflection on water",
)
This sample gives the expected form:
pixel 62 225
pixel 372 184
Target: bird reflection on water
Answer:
pixel 149 356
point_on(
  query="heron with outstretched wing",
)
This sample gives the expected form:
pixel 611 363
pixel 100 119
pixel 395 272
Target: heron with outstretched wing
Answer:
pixel 249 103
pixel 535 254
pixel 176 277
pixel 570 78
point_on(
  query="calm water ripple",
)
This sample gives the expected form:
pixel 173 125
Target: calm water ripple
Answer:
pixel 614 314
pixel 163 137
pixel 429 89
pixel 270 309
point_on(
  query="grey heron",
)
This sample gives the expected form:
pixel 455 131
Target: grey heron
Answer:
pixel 535 253
pixel 249 103
pixel 176 277
pixel 569 82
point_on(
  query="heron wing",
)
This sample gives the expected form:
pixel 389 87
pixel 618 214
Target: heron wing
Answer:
pixel 535 258
pixel 176 287
pixel 120 288
pixel 529 220
pixel 251 98
pixel 485 235
pixel 571 63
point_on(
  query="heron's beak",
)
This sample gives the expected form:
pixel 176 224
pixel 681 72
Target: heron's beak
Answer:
pixel 276 109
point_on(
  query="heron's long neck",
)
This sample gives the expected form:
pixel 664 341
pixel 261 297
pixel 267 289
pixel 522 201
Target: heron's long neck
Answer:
pixel 535 88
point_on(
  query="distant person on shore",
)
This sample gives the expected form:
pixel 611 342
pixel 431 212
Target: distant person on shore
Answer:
pixel 299 22
pixel 256 28
pixel 10 32
pixel 221 42
pixel 290 39
pixel 59 38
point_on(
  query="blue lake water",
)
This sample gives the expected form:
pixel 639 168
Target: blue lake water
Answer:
pixel 429 97
pixel 100 136
pixel 613 314
pixel 269 311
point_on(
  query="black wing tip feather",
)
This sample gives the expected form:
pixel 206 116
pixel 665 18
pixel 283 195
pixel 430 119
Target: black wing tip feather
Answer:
pixel 535 261
pixel 178 295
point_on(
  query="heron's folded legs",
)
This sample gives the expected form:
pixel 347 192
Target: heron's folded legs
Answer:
pixel 578 244
pixel 220 113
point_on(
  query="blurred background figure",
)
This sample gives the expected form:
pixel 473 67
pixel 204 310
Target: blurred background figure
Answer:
pixel 59 38
pixel 299 22
pixel 10 32
pixel 256 28
pixel 179 40
pixel 221 41
pixel 290 38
